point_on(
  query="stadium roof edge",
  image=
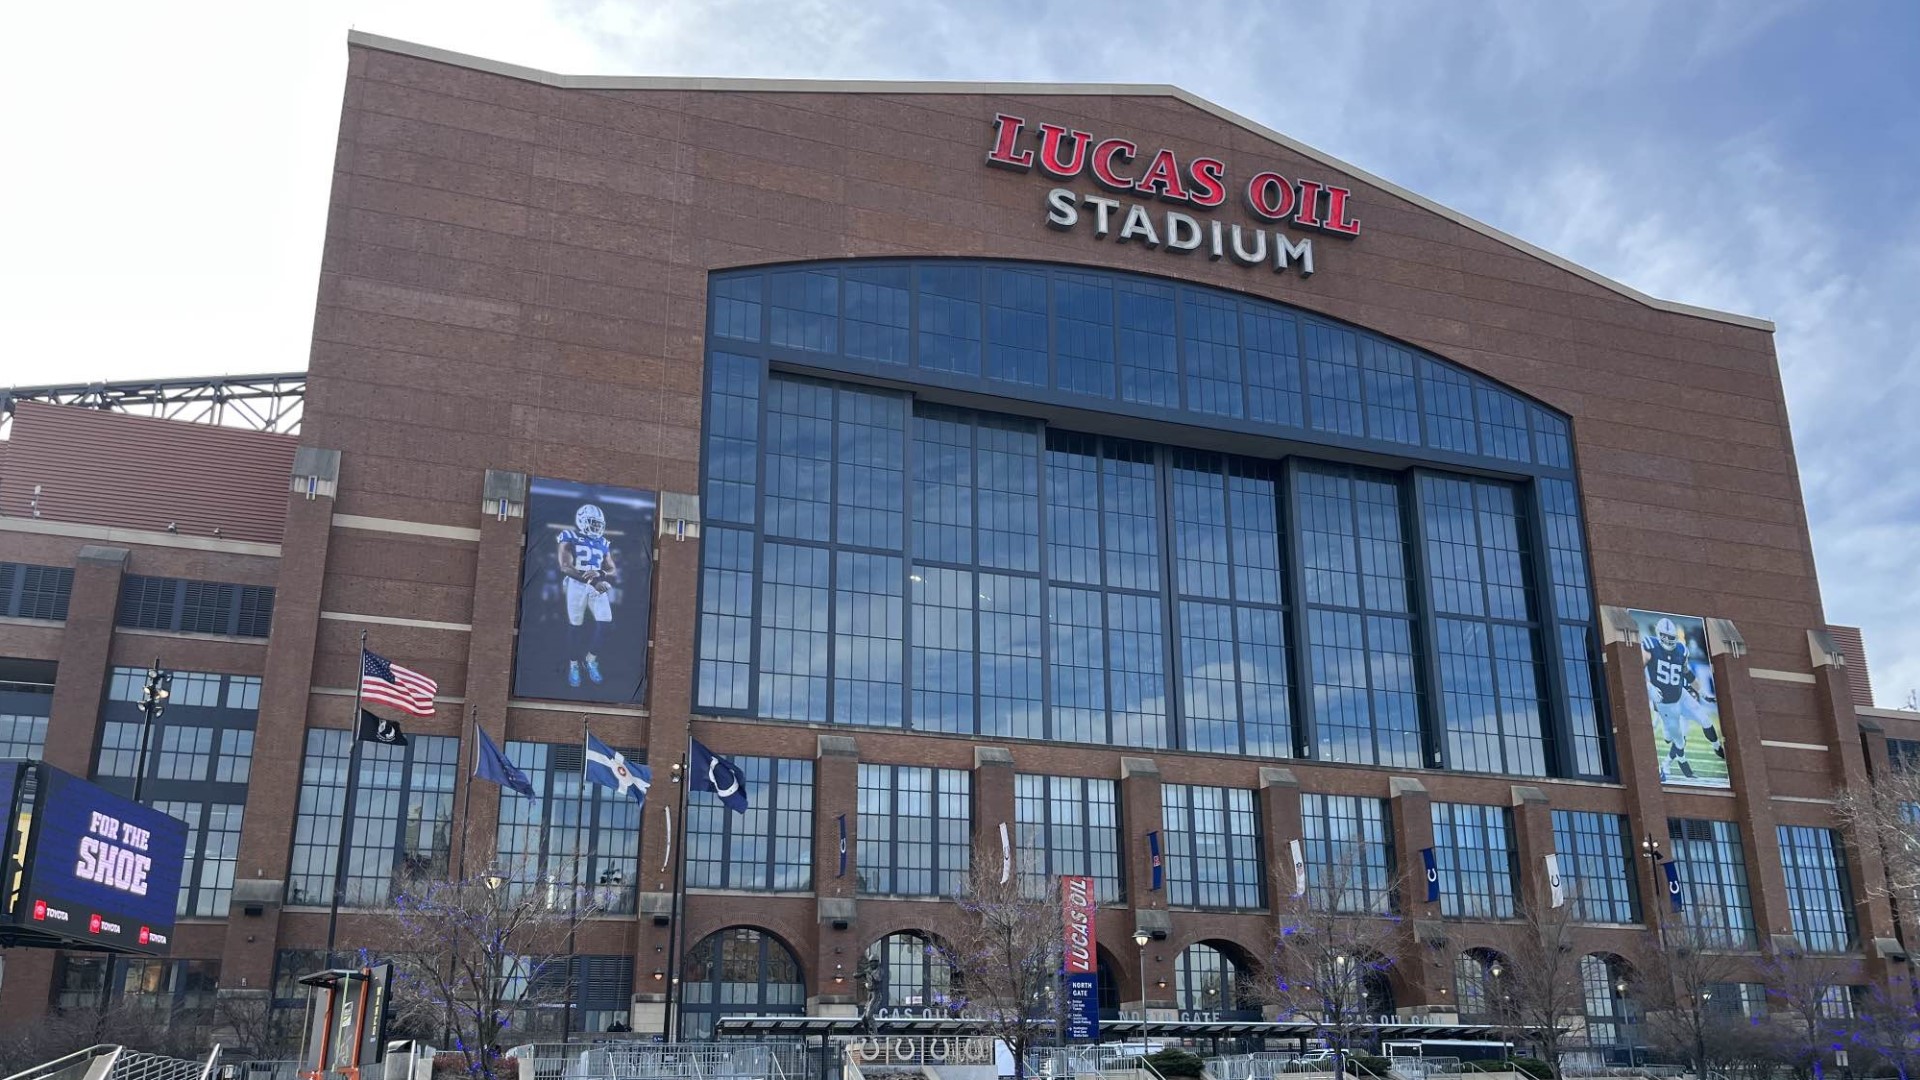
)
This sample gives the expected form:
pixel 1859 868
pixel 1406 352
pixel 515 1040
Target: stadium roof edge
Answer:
pixel 879 86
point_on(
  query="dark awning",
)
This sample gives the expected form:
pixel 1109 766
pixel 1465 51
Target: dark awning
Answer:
pixel 1117 1030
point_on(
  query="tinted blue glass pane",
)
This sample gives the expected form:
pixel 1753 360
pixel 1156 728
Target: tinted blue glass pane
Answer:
pixel 1550 443
pixel 805 309
pixel 1149 373
pixel 1516 665
pixel 1396 698
pixel 1017 327
pixel 1265 708
pixel 1560 509
pixel 1210 694
pixel 1201 553
pixel 1594 866
pixel 1503 550
pixel 876 299
pixel 869 624
pixel 1077 665
pixel 793 633
pixel 869 473
pixel 950 319
pixel 733 437
pixel 1252 501
pixel 1272 349
pixel 799 458
pixel 1583 711
pixel 1010 690
pixel 1131 497
pixel 1137 663
pixel 1083 328
pixel 726 618
pixel 1392 402
pixel 1819 895
pixel 736 307
pixel 942 484
pixel 1073 508
pixel 1333 379
pixel 1503 424
pixel 1212 350
pixel 1009 461
pixel 1449 397
pixel 1453 553
pixel 943 649
pixel 1467 700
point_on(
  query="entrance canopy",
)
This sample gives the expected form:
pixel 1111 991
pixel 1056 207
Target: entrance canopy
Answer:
pixel 1117 1030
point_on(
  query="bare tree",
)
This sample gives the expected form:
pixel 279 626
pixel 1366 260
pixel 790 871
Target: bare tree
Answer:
pixel 1808 1002
pixel 1333 949
pixel 1542 978
pixel 1885 816
pixel 1005 951
pixel 1678 972
pixel 469 954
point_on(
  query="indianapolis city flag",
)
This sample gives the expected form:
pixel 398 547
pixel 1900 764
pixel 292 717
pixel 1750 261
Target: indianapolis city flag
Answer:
pixel 610 769
pixel 383 682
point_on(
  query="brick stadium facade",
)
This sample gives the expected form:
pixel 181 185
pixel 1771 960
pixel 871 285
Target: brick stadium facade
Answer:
pixel 528 275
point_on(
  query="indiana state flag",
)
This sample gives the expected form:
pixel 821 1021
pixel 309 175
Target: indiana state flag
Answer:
pixel 610 768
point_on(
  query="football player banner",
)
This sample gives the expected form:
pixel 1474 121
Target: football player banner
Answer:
pixel 586 588
pixel 1687 740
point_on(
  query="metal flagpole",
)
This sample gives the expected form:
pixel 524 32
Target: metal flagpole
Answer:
pixel 587 795
pixel 671 1024
pixel 466 800
pixel 346 808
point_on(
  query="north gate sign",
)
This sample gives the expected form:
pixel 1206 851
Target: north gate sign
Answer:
pixel 1203 182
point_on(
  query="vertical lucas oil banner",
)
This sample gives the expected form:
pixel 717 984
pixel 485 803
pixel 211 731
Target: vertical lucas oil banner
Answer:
pixel 1078 909
pixel 586 584
pixel 1687 738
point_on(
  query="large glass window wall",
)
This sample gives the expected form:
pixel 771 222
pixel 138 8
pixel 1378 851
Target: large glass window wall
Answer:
pixel 937 560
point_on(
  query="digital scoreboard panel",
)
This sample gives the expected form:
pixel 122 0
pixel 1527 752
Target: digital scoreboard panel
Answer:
pixel 100 872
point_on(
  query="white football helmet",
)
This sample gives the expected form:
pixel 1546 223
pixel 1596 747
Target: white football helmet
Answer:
pixel 1668 633
pixel 591 522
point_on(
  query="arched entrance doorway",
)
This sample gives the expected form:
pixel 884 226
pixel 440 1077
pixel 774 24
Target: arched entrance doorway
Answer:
pixel 1606 987
pixel 739 971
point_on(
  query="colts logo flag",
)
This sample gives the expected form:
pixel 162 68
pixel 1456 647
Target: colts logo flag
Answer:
pixel 1673 885
pixel 708 771
pixel 1554 887
pixel 1299 868
pixel 1433 874
pixel 609 768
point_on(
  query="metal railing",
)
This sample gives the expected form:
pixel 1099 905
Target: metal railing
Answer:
pixel 635 1060
pixel 110 1062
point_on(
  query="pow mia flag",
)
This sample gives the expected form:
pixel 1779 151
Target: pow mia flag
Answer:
pixel 375 729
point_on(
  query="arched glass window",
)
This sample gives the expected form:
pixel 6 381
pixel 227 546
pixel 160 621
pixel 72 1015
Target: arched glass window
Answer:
pixel 1022 500
pixel 1207 983
pixel 740 971
pixel 1479 985
pixel 918 981
pixel 1605 981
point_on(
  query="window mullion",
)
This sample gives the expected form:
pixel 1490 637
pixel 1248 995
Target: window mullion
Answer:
pixel 1433 702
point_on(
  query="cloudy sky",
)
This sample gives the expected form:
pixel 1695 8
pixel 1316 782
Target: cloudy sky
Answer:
pixel 168 163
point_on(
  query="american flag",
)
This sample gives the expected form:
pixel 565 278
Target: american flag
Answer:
pixel 383 682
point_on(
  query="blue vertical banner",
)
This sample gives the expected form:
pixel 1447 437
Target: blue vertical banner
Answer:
pixel 1083 1008
pixel 1673 885
pixel 843 847
pixel 1154 860
pixel 1433 874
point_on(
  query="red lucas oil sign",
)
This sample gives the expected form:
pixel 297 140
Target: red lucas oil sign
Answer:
pixel 1124 167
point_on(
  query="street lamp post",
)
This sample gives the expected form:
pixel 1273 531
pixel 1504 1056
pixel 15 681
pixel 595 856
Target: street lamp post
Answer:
pixel 154 693
pixel 1140 938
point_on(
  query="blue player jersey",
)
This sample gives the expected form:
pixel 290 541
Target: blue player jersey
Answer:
pixel 589 552
pixel 1668 670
